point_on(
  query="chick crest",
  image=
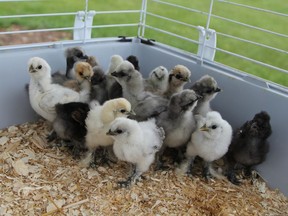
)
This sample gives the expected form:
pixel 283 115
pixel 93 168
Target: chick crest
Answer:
pixel 115 108
pixel 181 73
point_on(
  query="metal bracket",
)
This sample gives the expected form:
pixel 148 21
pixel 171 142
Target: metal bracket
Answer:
pixel 207 43
pixel 82 25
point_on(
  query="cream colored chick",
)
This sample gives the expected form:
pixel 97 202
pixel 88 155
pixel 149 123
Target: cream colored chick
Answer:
pixel 157 81
pixel 83 75
pixel 98 123
pixel 44 95
pixel 178 77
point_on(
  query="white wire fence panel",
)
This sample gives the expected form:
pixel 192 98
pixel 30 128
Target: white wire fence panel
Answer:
pixel 252 36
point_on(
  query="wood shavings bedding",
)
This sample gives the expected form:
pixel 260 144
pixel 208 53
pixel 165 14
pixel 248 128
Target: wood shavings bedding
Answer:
pixel 39 180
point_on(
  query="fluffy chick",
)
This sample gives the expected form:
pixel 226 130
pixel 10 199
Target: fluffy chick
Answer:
pixel 135 61
pixel 92 61
pixel 249 145
pixel 157 80
pixel 70 126
pixel 113 87
pixel 83 76
pixel 136 143
pixel 210 141
pixel 178 77
pixel 144 104
pixel 73 55
pixel 99 85
pixel 178 121
pixel 208 88
pixel 98 121
pixel 43 95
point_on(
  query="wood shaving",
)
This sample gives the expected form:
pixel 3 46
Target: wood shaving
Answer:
pixel 40 180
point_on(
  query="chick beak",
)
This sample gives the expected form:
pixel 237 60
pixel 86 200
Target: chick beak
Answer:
pixel 218 89
pixel 131 113
pixel 111 133
pixel 114 74
pixel 204 128
pixel 85 57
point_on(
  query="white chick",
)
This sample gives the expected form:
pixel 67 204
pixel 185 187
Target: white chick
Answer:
pixel 178 77
pixel 208 88
pixel 210 141
pixel 157 81
pixel 44 95
pixel 136 143
pixel 83 75
pixel 98 122
pixel 145 104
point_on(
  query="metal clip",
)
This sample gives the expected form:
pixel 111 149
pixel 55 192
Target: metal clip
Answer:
pixel 82 25
pixel 207 43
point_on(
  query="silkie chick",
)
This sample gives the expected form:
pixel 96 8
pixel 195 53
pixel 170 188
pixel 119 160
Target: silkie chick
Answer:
pixel 249 145
pixel 178 77
pixel 210 141
pixel 43 95
pixel 98 122
pixel 136 143
pixel 206 87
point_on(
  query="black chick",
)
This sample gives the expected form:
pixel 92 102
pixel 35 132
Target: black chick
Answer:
pixel 70 126
pixel 99 85
pixel 134 60
pixel 249 145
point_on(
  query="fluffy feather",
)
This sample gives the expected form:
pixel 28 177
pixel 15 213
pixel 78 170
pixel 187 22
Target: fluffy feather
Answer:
pixel 73 55
pixel 136 143
pixel 157 81
pixel 210 141
pixel 178 77
pixel 98 122
pixel 208 88
pixel 43 95
pixel 249 145
pixel 144 104
pixel 83 76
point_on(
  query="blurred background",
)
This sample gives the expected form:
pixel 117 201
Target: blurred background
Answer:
pixel 241 25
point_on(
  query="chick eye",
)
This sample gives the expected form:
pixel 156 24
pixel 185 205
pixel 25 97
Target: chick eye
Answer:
pixel 209 91
pixel 39 67
pixel 214 127
pixel 178 76
pixel 81 73
pixel 119 131
pixel 123 111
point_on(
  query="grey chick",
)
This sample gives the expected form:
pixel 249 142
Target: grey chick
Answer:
pixel 249 145
pixel 210 141
pixel 69 125
pixel 135 61
pixel 113 87
pixel 178 77
pixel 136 143
pixel 144 104
pixel 206 87
pixel 178 121
pixel 157 80
pixel 72 55
pixel 99 85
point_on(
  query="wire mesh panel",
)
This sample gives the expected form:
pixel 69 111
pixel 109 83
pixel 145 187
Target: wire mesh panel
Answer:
pixel 251 36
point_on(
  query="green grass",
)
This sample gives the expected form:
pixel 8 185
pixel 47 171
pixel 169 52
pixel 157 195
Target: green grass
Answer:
pixel 251 17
